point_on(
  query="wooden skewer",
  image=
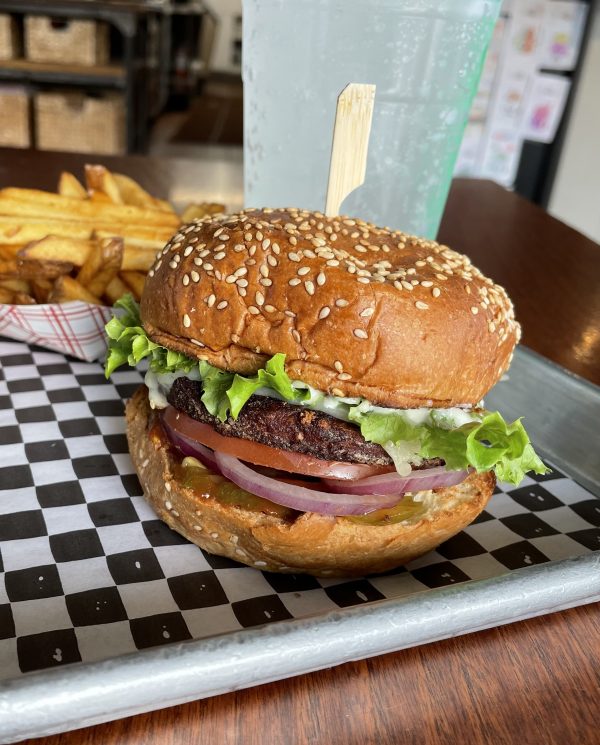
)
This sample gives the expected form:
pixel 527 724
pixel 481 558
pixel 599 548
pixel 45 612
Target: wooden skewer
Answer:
pixel 350 144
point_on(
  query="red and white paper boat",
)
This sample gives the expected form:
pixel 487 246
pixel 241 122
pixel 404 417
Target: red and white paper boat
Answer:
pixel 72 328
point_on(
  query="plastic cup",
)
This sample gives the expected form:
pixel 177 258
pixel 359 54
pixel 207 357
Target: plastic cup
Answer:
pixel 425 57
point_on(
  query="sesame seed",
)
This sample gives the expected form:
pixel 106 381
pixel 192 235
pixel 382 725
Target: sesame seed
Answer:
pixel 427 283
pixel 406 285
pixel 266 243
pixel 474 310
pixel 310 287
pixel 223 237
pixel 241 271
pixel 421 305
pixel 218 232
pixel 344 376
pixel 241 291
pixel 230 279
pixel 337 392
pixel 341 303
pixel 360 334
pixel 271 260
pixel 367 312
pixel 173 264
pixel 239 247
pixel 436 292
pixel 333 262
pixel 223 304
pixel 293 240
pixel 296 336
pixel 321 279
pixel 218 275
pixel 275 248
pixel 195 276
pixel 441 277
pixel 338 366
pixel 254 311
pixel 208 267
pixel 324 312
pixel 468 289
pixel 186 320
pixel 290 313
pixel 210 300
pixel 247 236
pixel 397 284
pixel 270 308
pixel 303 270
pixel 363 280
pixel 265 281
pixel 259 235
pixel 294 281
pixel 259 297
pixel 241 282
pixel 188 250
pixel 491 327
pixel 219 255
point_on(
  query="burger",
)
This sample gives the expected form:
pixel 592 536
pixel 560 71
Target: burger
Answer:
pixel 313 399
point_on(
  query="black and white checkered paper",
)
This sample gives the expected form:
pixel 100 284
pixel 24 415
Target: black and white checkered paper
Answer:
pixel 90 573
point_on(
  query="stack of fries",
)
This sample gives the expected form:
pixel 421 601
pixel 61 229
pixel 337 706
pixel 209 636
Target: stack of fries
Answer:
pixel 89 244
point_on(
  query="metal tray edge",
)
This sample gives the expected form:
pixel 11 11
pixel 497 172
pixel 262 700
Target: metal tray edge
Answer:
pixel 45 703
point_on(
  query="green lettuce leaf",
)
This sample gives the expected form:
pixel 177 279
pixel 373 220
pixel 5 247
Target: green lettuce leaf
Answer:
pixel 487 444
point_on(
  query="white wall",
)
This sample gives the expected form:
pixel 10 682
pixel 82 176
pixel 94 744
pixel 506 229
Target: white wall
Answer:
pixel 575 196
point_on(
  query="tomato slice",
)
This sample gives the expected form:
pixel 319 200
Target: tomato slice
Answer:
pixel 264 455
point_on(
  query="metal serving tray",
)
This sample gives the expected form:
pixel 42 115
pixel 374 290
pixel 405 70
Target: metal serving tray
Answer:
pixel 561 412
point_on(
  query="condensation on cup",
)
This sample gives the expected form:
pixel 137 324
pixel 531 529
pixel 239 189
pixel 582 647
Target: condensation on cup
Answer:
pixel 424 56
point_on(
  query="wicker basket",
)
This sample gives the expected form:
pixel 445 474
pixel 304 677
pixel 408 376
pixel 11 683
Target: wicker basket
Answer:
pixel 66 41
pixel 80 123
pixel 14 117
pixel 9 37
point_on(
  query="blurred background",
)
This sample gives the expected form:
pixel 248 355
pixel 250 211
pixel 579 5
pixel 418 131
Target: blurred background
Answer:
pixel 164 78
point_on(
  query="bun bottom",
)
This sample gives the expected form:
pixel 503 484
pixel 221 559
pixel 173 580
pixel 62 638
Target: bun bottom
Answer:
pixel 312 544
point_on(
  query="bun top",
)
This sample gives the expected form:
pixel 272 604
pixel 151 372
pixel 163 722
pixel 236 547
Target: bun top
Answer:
pixel 357 310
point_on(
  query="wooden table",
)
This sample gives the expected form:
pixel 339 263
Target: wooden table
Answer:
pixel 531 682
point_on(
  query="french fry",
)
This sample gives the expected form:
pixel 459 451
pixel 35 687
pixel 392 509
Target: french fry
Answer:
pixel 67 289
pixel 132 193
pixel 15 284
pixel 23 298
pixel 137 259
pixel 34 269
pixel 69 186
pixel 35 203
pixel 102 265
pixel 100 181
pixel 196 211
pixel 8 251
pixel 57 248
pixel 135 281
pixel 115 289
pixel 20 231
pixel 6 296
pixel 41 289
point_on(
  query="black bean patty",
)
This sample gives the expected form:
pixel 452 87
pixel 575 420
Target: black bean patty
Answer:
pixel 286 426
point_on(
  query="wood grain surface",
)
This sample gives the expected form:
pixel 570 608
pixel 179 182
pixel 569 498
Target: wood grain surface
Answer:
pixel 534 682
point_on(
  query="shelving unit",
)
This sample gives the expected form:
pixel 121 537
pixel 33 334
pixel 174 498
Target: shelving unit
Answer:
pixel 142 73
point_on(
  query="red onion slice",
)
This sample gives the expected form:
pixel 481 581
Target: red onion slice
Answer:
pixel 393 483
pixel 299 497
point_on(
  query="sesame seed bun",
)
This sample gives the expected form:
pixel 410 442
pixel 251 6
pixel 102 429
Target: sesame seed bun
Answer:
pixel 357 310
pixel 313 544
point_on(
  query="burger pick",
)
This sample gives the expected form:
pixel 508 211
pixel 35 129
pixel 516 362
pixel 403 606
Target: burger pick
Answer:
pixel 313 401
